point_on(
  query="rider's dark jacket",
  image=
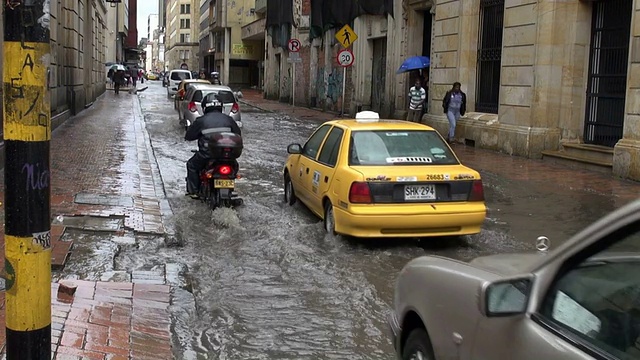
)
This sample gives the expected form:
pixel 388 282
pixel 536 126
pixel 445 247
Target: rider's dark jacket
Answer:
pixel 208 124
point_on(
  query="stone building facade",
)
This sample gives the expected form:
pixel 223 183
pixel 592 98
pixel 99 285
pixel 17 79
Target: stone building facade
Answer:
pixel 540 75
pixel 78 46
pixel 558 73
pixel 182 46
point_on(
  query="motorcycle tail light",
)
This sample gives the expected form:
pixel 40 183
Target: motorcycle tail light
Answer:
pixel 193 107
pixel 224 170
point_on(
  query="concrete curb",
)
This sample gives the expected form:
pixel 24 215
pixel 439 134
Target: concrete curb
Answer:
pixel 166 212
pixel 256 106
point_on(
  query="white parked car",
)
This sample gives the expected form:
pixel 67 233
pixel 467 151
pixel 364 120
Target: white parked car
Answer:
pixel 175 77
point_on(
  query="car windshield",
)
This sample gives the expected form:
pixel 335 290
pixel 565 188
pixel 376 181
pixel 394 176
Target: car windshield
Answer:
pixel 180 75
pixel 399 147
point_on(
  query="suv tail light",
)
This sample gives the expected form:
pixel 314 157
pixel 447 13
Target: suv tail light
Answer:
pixel 235 108
pixel 359 193
pixel 477 191
pixel 193 107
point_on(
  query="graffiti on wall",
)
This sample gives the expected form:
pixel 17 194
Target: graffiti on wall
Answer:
pixel 320 88
pixel 328 87
pixel 285 84
pixel 334 86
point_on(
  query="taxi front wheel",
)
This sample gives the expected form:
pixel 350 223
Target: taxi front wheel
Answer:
pixel 329 219
pixel 289 193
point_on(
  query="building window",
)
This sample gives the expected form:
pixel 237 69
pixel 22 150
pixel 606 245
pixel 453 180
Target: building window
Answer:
pixel 185 38
pixel 212 12
pixel 184 54
pixel 185 9
pixel 489 56
pixel 185 23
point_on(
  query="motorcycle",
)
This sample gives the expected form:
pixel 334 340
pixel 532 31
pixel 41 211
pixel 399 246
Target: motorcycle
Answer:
pixel 218 178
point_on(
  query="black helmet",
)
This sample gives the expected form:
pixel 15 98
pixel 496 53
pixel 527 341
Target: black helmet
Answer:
pixel 211 103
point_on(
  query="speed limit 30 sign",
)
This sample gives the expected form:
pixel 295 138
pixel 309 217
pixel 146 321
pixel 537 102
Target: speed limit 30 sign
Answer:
pixel 345 58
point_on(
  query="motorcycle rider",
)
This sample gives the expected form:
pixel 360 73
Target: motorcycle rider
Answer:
pixel 213 121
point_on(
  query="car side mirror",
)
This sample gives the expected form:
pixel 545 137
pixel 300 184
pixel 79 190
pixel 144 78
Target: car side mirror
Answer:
pixel 294 149
pixel 505 298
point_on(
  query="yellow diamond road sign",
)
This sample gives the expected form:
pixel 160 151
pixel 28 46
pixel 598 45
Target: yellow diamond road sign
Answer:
pixel 346 36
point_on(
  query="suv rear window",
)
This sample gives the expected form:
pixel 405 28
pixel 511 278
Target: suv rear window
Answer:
pixel 398 147
pixel 180 75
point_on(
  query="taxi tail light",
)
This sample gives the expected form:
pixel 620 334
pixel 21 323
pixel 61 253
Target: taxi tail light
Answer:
pixel 193 107
pixel 359 193
pixel 477 191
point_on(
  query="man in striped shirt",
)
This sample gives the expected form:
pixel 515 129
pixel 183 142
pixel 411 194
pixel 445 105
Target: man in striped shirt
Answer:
pixel 417 97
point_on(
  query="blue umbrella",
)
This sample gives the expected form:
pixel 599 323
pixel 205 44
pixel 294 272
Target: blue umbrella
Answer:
pixel 414 63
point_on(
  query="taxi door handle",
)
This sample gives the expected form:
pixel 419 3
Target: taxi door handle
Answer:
pixel 326 179
pixel 307 170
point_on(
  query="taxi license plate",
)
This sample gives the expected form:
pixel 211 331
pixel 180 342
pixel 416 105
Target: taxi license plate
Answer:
pixel 420 192
pixel 224 184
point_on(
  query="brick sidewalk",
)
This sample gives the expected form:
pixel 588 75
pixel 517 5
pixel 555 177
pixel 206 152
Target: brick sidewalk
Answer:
pixel 509 167
pixel 103 168
pixel 108 321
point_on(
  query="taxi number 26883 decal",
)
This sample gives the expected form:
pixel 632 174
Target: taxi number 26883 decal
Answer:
pixel 437 176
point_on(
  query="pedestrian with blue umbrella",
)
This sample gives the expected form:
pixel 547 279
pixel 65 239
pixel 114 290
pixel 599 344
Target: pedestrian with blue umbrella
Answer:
pixel 417 94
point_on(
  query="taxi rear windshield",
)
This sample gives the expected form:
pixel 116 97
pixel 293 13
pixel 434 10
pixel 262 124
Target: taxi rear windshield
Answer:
pixel 385 147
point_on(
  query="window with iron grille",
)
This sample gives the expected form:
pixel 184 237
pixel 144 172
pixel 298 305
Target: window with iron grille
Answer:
pixel 489 55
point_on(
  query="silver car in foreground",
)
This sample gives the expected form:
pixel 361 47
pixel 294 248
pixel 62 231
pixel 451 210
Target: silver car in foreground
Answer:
pixel 191 107
pixel 578 301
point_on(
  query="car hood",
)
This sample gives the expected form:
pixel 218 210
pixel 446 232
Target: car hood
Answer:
pixel 508 264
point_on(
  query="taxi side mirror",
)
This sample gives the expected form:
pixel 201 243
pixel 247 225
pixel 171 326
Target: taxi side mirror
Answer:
pixel 294 149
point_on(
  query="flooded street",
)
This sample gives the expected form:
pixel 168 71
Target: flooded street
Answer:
pixel 269 283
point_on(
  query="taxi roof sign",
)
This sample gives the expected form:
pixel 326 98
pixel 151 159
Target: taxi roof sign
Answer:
pixel 367 115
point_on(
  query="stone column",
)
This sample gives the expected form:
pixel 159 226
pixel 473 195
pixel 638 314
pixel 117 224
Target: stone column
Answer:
pixel 626 157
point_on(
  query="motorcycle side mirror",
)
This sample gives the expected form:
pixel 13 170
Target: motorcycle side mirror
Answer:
pixel 294 149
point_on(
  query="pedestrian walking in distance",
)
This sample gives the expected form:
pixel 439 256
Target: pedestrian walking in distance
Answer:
pixel 454 105
pixel 417 97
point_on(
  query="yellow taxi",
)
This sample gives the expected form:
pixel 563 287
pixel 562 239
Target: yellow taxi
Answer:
pixel 152 76
pixel 182 90
pixel 368 177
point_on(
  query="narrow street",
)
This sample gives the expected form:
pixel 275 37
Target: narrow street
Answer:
pixel 269 284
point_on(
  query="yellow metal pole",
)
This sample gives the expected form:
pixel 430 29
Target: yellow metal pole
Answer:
pixel 27 135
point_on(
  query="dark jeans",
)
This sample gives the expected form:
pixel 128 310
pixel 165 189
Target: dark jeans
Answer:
pixel 194 166
pixel 116 87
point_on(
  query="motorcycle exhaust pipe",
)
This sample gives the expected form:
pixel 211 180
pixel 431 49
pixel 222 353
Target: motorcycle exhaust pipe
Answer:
pixel 188 123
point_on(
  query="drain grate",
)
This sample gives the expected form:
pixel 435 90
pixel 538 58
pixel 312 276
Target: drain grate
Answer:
pixel 104 199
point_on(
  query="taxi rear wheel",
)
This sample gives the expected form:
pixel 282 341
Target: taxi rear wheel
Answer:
pixel 289 193
pixel 329 219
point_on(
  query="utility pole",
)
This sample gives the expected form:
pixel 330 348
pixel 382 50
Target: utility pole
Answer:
pixel 27 135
